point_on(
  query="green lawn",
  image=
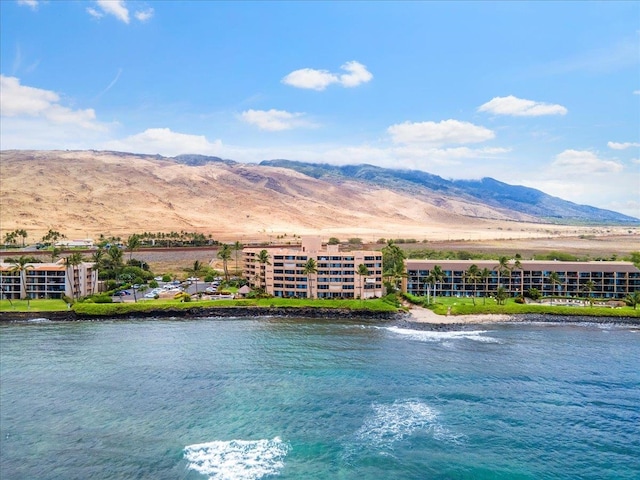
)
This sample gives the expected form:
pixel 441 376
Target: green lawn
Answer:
pixel 464 306
pixel 34 306
pixel 107 309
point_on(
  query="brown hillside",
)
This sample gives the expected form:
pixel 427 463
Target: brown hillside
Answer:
pixel 86 193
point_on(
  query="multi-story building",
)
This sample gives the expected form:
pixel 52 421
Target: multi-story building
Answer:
pixel 48 280
pixel 337 272
pixel 574 279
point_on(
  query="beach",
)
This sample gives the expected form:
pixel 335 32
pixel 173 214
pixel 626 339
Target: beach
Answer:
pixel 419 314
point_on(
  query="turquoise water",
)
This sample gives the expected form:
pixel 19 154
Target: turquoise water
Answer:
pixel 318 399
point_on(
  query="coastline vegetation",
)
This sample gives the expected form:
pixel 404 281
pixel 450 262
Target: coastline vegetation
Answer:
pixel 465 306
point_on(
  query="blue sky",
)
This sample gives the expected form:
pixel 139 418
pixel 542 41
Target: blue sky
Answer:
pixel 542 94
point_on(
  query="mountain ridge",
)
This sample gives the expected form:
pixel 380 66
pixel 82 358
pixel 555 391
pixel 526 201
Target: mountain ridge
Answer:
pixel 84 193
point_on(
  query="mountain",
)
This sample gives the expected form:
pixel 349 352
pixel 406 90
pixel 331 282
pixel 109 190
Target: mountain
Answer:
pixel 87 193
pixel 489 191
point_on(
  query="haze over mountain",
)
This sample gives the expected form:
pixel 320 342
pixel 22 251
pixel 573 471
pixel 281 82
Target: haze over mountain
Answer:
pixel 86 193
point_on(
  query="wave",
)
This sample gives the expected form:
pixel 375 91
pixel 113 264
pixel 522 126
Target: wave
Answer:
pixel 392 423
pixel 237 459
pixel 435 336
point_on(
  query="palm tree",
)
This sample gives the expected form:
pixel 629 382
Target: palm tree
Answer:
pixel 55 253
pixel 393 262
pixel 438 277
pixel 263 260
pixel 473 275
pixel 502 267
pixel 517 265
pixel 588 287
pixel 21 265
pixel 73 261
pixel 195 271
pixel 362 271
pixel 310 268
pixel 22 233
pixel 133 243
pixel 554 279
pixel 485 275
pixel 115 259
pixel 633 299
pixel 224 254
pixel 237 247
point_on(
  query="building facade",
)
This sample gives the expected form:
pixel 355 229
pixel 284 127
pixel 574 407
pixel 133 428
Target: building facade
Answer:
pixel 337 272
pixel 611 280
pixel 48 280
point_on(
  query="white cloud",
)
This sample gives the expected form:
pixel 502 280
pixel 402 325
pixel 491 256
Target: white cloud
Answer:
pixel 520 107
pixel 144 15
pixel 165 142
pixel 32 4
pixel 312 79
pixel 622 146
pixel 21 101
pixel 358 74
pixel 582 162
pixel 116 8
pixel 273 120
pixel 636 92
pixel 445 132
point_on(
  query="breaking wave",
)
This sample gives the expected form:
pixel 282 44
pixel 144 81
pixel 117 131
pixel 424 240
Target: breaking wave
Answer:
pixel 237 459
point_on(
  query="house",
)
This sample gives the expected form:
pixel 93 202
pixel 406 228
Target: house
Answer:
pixel 337 272
pixel 612 280
pixel 48 280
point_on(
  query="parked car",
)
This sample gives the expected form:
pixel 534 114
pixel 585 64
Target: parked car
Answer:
pixel 121 293
pixel 150 295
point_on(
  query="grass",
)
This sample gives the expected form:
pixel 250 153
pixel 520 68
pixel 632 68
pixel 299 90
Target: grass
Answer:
pixel 106 309
pixel 34 306
pixel 464 306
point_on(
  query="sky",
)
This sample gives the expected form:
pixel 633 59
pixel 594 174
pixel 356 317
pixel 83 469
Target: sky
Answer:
pixel 541 94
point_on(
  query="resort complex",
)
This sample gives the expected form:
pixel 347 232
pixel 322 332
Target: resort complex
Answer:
pixel 47 280
pixel 314 271
pixel 453 278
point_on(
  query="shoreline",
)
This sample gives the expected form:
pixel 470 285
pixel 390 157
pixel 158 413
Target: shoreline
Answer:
pixel 414 315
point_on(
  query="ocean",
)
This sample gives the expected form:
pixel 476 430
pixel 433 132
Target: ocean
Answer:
pixel 261 398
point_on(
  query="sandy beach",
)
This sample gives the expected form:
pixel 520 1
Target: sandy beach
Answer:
pixel 419 314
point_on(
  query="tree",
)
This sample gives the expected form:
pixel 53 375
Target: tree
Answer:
pixel 224 254
pixel 310 268
pixel 438 277
pixel 393 262
pixel 485 275
pixel 263 260
pixel 633 299
pixel 21 266
pixel 554 279
pixel 517 265
pixel 72 261
pixel 195 272
pixel 237 247
pixel 55 253
pixel 133 243
pixel 501 295
pixel 473 275
pixel 362 271
pixel 22 233
pixel 10 238
pixel 502 267
pixel 333 241
pixel 588 287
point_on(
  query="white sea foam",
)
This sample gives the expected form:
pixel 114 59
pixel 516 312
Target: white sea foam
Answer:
pixel 237 459
pixel 434 336
pixel 391 423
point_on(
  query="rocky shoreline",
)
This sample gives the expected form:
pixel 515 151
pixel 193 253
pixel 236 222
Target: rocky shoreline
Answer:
pixel 200 312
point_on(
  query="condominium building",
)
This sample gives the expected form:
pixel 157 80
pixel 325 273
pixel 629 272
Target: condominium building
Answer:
pixel 48 280
pixel 337 272
pixel 574 279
